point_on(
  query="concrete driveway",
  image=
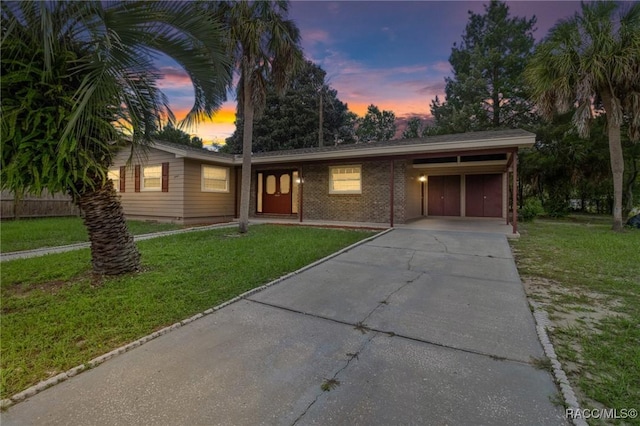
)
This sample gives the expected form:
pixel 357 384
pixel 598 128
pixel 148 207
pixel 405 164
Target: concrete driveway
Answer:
pixel 414 327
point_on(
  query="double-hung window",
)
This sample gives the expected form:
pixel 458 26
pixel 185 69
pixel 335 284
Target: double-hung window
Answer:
pixel 215 179
pixel 114 176
pixel 152 178
pixel 345 180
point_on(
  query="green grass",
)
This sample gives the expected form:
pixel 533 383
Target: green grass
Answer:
pixel 28 234
pixel 56 315
pixel 588 268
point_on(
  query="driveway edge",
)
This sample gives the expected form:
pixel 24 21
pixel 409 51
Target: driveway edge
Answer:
pixel 52 381
pixel 542 324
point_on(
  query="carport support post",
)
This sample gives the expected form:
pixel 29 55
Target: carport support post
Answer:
pixel 514 191
pixel 301 190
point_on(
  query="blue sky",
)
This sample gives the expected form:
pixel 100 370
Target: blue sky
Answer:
pixel 393 54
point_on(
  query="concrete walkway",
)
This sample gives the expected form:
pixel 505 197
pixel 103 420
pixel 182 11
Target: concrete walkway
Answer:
pixel 413 327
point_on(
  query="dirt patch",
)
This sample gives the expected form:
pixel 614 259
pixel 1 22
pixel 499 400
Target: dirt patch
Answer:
pixel 571 307
pixel 24 290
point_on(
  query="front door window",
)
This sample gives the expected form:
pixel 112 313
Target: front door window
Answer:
pixel 276 197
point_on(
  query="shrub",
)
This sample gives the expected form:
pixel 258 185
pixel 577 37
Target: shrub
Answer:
pixel 531 209
pixel 556 207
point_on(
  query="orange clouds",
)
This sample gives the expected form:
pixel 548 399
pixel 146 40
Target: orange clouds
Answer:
pixel 217 129
pixel 225 115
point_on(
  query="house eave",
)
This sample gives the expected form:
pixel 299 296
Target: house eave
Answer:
pixel 399 150
pixel 193 155
pixel 497 143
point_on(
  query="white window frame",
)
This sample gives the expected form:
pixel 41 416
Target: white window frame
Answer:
pixel 145 188
pixel 351 191
pixel 114 176
pixel 202 178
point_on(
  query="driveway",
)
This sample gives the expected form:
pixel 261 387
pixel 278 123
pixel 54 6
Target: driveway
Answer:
pixel 413 327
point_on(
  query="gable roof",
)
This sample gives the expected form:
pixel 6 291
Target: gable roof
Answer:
pixel 492 139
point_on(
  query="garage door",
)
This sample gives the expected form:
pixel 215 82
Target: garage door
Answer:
pixel 483 195
pixel 444 195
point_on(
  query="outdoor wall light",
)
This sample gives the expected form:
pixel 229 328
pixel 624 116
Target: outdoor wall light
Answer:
pixel 299 180
pixel 422 178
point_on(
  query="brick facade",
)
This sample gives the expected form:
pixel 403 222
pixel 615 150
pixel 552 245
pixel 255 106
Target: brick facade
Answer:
pixel 372 205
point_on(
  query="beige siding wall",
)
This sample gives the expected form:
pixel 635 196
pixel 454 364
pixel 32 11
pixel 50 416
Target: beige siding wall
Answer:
pixel 413 193
pixel 153 205
pixel 206 206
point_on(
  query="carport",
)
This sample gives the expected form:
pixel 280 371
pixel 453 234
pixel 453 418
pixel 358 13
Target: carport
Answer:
pixel 469 184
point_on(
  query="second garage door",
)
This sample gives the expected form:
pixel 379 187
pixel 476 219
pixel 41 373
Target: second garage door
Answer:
pixel 444 195
pixel 483 195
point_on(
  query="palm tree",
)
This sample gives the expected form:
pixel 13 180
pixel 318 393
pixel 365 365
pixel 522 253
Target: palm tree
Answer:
pixel 587 59
pixel 265 46
pixel 79 83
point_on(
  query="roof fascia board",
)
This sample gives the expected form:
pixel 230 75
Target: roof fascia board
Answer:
pixel 183 153
pixel 430 149
pixel 399 150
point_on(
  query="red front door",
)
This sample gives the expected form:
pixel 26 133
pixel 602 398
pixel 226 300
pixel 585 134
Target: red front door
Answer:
pixel 276 192
pixel 444 196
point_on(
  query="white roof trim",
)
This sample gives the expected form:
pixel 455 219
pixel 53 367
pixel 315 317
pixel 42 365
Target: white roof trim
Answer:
pixel 525 141
pixel 390 150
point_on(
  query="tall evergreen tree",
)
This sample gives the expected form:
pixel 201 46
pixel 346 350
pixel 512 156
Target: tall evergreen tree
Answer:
pixel 292 120
pixel 487 90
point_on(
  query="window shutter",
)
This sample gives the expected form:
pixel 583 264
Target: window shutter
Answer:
pixel 165 177
pixel 123 173
pixel 137 175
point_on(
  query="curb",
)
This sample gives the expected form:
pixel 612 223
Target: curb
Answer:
pixel 542 324
pixel 45 384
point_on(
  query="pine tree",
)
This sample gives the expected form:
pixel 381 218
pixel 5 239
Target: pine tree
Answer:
pixel 487 89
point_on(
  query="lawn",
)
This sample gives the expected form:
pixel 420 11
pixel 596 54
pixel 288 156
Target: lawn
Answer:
pixel 28 234
pixel 56 315
pixel 588 279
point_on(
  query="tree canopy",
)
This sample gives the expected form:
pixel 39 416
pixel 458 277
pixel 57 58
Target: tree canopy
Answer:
pixel 78 81
pixel 487 90
pixel 292 120
pixel 376 125
pixel 172 134
pixel 592 60
pixel 414 129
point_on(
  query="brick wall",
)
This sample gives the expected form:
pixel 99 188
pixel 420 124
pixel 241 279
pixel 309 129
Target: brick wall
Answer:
pixel 372 205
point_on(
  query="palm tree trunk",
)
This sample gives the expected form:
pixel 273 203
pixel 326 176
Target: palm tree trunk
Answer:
pixel 321 120
pixel 629 186
pixel 617 160
pixel 247 142
pixel 113 250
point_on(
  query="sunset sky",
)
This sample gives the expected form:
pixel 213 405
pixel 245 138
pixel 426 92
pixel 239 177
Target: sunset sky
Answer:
pixel 393 54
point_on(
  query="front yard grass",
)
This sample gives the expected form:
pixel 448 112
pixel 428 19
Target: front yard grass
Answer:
pixel 56 315
pixel 29 234
pixel 588 279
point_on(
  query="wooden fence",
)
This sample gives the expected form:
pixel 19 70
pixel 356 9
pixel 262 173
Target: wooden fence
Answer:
pixel 46 205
